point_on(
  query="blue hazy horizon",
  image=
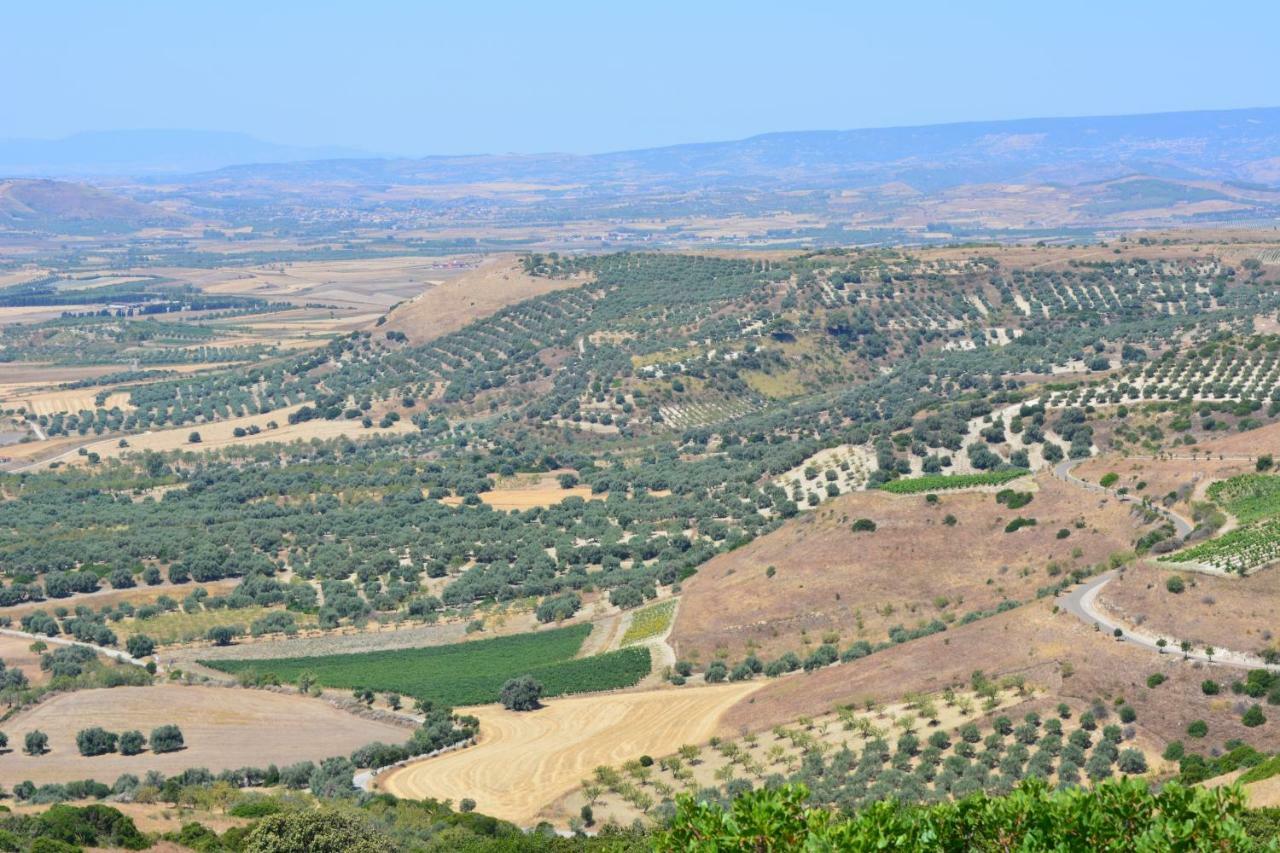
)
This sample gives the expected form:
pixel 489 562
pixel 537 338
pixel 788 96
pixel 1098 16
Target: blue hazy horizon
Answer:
pixel 427 78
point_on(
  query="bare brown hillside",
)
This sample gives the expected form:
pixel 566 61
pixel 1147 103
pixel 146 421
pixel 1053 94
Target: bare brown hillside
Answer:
pixel 912 569
pixel 450 305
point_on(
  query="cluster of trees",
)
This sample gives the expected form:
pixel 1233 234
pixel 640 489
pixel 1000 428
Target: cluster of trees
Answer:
pixel 96 740
pixel 253 512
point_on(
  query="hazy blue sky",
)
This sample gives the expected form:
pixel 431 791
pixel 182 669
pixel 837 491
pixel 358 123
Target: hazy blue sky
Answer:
pixel 477 76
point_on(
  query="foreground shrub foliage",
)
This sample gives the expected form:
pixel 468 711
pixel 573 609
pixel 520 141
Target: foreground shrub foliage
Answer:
pixel 1115 815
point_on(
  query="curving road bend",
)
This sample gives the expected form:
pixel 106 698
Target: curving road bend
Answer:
pixel 1081 602
pixel 1063 470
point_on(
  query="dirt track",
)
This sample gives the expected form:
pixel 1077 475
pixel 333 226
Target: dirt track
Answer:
pixel 525 761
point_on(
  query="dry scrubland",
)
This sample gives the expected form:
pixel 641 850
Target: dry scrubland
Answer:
pixel 1187 478
pixel 830 579
pixel 1225 612
pixel 1068 659
pixel 223 728
pixel 525 761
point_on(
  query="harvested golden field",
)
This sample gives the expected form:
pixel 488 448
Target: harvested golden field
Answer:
pixel 63 400
pixel 912 569
pixel 223 728
pixel 526 761
pixel 220 434
pixel 362 284
pixel 452 304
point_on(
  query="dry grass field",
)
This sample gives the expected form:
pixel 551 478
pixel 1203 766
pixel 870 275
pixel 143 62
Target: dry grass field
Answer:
pixel 223 728
pixel 782 750
pixel 1187 478
pixel 525 761
pixel 1069 660
pixel 912 569
pixel 363 285
pixel 450 305
pixel 526 491
pixel 221 434
pixel 156 817
pixel 16 654
pixel 35 374
pixel 1225 612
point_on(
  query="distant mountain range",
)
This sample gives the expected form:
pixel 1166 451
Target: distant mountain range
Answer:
pixel 137 153
pixel 995 178
pixel 1237 145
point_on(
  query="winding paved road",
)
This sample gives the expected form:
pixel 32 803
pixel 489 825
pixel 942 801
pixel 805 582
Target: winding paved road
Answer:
pixel 1063 472
pixel 1081 603
pixel 1081 600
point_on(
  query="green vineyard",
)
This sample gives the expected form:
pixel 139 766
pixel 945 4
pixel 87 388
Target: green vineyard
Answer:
pixel 939 482
pixel 464 673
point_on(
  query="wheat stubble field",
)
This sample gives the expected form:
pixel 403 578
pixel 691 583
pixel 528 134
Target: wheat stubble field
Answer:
pixel 224 728
pixel 525 761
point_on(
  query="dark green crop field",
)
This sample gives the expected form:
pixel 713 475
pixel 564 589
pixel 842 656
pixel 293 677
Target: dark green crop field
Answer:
pixel 465 673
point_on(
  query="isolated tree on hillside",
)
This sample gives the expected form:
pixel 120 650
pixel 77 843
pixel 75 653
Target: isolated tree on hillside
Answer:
pixel 521 694
pixel 166 739
pixel 140 646
pixel 36 743
pixel 221 635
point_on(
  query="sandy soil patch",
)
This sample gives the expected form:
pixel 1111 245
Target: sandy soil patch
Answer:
pixel 525 761
pixel 223 728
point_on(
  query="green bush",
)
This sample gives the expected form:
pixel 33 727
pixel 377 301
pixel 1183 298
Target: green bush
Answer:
pixel 1122 814
pixel 166 739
